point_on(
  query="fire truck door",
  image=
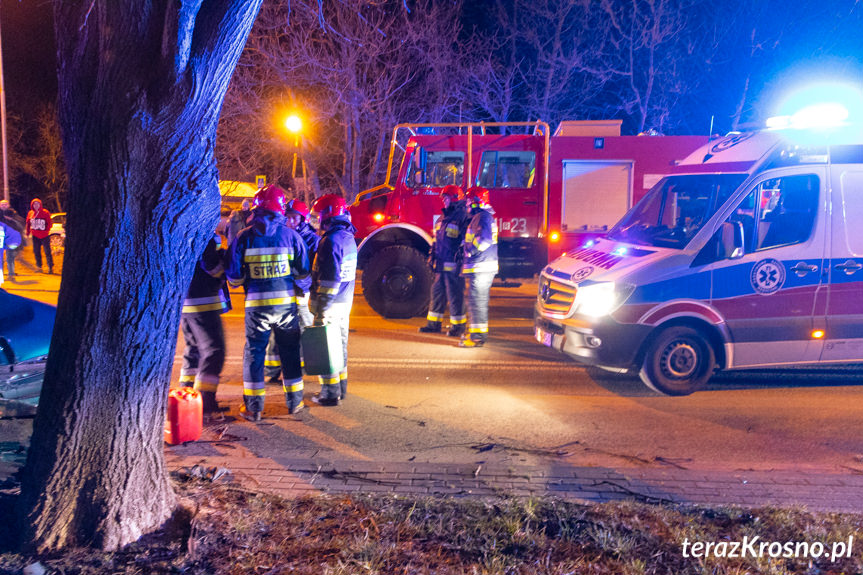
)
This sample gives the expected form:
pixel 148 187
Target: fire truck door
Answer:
pixel 514 189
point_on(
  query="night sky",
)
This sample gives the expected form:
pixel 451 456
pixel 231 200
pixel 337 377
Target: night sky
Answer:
pixel 815 40
pixel 29 71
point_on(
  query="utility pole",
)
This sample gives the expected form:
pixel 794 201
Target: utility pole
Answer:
pixel 3 128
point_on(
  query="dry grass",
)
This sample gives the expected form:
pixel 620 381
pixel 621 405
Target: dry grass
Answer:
pixel 238 532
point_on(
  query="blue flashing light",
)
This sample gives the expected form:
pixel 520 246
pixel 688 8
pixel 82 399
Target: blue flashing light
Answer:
pixel 620 251
pixel 825 115
pixel 588 244
pixel 827 105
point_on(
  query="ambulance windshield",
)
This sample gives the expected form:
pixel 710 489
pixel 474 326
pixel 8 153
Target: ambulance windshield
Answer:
pixel 674 210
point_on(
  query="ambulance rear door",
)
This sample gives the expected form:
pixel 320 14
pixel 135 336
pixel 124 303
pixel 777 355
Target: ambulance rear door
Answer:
pixel 774 297
pixel 844 333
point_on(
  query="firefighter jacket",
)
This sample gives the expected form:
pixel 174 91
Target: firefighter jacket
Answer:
pixel 311 239
pixel 480 243
pixel 38 222
pixel 266 259
pixel 208 291
pixel 335 268
pixel 449 233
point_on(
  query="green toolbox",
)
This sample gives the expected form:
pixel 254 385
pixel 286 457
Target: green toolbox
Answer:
pixel 322 350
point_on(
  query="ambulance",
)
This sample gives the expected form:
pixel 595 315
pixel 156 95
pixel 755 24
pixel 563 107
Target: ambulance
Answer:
pixel 747 254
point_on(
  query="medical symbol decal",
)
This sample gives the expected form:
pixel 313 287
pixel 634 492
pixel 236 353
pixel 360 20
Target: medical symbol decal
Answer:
pixel 731 141
pixel 581 273
pixel 767 276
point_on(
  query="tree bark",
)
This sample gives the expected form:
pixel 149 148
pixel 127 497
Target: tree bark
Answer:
pixel 141 88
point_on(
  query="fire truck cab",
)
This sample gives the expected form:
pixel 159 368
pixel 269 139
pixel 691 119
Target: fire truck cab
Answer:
pixel 749 253
pixel 394 222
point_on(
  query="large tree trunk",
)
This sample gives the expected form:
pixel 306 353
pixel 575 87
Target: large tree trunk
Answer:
pixel 141 87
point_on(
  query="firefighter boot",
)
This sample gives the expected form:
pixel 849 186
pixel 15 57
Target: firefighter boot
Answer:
pixel 431 327
pixel 211 406
pixel 456 330
pixel 474 341
pixel 253 408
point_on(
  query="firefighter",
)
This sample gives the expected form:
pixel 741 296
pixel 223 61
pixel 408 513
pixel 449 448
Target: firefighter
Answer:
pixel 266 259
pixel 333 276
pixel 480 265
pixel 201 323
pixel 296 217
pixel 446 257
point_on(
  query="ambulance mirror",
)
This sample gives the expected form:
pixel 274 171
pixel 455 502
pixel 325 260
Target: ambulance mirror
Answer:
pixel 731 240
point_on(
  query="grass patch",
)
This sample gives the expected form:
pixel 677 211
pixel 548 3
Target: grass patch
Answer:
pixel 238 532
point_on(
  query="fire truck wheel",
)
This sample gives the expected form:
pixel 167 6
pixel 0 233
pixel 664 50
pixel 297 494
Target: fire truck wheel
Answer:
pixel 678 361
pixel 397 282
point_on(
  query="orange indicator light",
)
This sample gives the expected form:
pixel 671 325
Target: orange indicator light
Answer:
pixel 554 236
pixel 817 334
pixel 378 217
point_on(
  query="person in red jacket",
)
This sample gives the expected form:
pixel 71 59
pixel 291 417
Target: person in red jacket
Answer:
pixel 38 225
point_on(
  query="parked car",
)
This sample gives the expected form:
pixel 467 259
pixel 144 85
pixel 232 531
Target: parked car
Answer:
pixel 25 335
pixel 58 232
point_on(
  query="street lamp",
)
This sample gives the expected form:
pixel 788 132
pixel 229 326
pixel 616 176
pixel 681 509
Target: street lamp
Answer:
pixel 294 124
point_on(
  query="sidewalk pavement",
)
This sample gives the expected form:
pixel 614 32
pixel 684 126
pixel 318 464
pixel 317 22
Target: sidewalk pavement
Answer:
pixel 292 476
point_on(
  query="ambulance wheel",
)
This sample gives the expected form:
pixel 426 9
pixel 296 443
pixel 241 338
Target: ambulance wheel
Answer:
pixel 397 282
pixel 678 361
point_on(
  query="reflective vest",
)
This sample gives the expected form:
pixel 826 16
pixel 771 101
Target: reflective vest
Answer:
pixel 449 233
pixel 335 269
pixel 266 259
pixel 480 243
pixel 208 291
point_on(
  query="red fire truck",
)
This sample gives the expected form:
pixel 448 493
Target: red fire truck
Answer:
pixel 549 193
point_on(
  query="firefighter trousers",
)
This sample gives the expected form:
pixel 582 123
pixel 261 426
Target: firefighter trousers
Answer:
pixel 204 355
pixel 335 385
pixel 282 322
pixel 272 362
pixel 448 287
pixel 478 289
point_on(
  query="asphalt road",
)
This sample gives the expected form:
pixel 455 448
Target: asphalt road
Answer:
pixel 418 397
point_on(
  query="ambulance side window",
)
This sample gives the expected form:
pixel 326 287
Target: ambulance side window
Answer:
pixel 787 208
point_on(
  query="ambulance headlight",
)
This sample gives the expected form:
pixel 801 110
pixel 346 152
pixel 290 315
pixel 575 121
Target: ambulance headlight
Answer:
pixel 599 299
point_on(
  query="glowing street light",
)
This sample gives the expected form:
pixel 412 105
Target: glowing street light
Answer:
pixel 294 124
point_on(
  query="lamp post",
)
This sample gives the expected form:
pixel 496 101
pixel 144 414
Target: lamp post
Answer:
pixel 294 124
pixel 3 129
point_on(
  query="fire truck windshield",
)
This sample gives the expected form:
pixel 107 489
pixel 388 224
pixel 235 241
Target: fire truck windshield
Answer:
pixel 674 210
pixel 435 168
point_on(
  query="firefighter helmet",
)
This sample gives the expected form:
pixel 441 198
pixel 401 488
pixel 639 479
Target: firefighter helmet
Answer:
pixel 297 206
pixel 329 206
pixel 453 192
pixel 271 198
pixel 477 197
